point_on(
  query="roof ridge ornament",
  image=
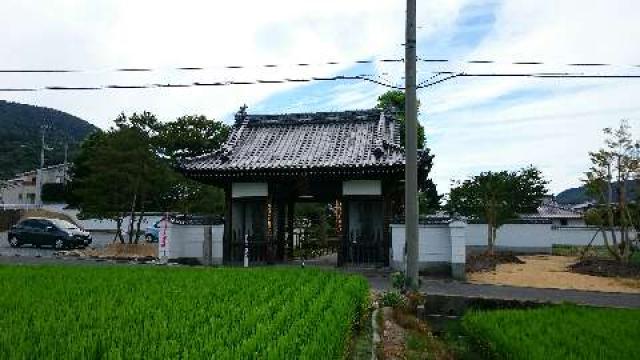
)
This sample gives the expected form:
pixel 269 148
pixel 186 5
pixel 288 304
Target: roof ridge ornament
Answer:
pixel 242 121
pixel 241 115
pixel 380 136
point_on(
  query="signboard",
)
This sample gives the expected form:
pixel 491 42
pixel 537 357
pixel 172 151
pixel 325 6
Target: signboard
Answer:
pixel 163 243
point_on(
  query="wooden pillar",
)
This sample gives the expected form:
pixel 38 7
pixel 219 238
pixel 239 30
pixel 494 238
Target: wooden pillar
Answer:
pixel 290 216
pixel 270 249
pixel 227 236
pixel 344 243
pixel 339 207
pixel 280 229
pixel 387 217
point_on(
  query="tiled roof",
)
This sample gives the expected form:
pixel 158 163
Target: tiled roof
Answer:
pixel 305 142
pixel 553 211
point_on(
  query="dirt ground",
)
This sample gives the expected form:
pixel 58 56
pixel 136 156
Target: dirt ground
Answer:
pixel 547 271
pixel 392 337
pixel 117 250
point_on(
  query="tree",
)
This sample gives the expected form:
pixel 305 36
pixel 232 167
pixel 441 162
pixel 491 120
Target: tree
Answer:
pixel 393 101
pixel 187 137
pixel 497 197
pixel 613 168
pixel 117 173
pixel 128 170
pixel 428 198
pixel 190 136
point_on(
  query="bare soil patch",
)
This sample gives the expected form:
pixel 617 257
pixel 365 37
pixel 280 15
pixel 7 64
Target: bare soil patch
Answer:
pixel 606 267
pixel 404 336
pixel 547 271
pixel 117 251
pixel 487 262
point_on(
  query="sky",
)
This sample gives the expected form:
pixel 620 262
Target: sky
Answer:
pixel 472 124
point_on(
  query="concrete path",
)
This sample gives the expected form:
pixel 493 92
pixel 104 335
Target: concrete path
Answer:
pixel 445 287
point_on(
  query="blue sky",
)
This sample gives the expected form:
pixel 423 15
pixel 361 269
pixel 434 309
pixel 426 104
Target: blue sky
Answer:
pixel 472 124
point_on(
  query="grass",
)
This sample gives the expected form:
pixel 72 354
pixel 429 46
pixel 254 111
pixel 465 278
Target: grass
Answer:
pixel 362 341
pixel 560 332
pixel 420 342
pixel 58 312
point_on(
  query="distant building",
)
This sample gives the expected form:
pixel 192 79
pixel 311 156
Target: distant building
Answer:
pixel 22 190
pixel 559 215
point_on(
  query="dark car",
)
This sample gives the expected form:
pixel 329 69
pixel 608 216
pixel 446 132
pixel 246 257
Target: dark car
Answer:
pixel 53 232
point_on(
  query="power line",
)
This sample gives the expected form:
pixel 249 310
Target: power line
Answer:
pixel 215 67
pixel 533 75
pixel 300 64
pixel 361 77
pixel 372 78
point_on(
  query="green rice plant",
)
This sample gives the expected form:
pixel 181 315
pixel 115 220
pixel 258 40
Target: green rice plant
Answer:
pixel 64 312
pixel 556 332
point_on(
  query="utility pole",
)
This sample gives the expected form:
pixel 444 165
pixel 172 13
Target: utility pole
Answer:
pixel 39 172
pixel 411 149
pixel 64 169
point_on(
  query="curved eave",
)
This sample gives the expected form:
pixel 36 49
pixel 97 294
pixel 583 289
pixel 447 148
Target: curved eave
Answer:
pixel 334 171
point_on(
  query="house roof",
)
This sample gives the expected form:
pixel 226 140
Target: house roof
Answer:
pixel 553 211
pixel 362 141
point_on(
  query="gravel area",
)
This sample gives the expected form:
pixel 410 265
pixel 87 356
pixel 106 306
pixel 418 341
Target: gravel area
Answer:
pixel 547 271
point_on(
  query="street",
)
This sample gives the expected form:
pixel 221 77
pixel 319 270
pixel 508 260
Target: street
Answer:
pixel 100 239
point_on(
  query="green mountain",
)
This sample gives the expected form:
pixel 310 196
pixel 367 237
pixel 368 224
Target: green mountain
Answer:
pixel 579 194
pixel 20 136
pixel 573 196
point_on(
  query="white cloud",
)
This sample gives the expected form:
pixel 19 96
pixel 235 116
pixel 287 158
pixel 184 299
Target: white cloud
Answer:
pixel 473 124
pixel 498 123
pixel 110 34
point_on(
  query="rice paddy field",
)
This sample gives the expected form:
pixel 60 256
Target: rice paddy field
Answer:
pixel 120 312
pixel 559 332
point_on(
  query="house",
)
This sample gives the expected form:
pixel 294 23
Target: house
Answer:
pixel 23 188
pixel 556 214
pixel 351 159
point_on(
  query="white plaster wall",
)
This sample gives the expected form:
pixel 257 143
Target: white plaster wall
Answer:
pixel 239 190
pixel 11 194
pixel 217 234
pixel 578 236
pixel 184 241
pixel 512 235
pixel 445 243
pixel 362 187
pixel 187 241
pixel 534 236
pixel 434 244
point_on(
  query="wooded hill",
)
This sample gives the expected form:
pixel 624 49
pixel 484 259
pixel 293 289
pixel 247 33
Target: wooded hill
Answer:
pixel 579 195
pixel 20 136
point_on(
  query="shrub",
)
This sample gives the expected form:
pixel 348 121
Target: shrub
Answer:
pixel 392 299
pixel 54 193
pixel 398 280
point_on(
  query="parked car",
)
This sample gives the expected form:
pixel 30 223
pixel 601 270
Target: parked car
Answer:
pixel 152 232
pixel 42 231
